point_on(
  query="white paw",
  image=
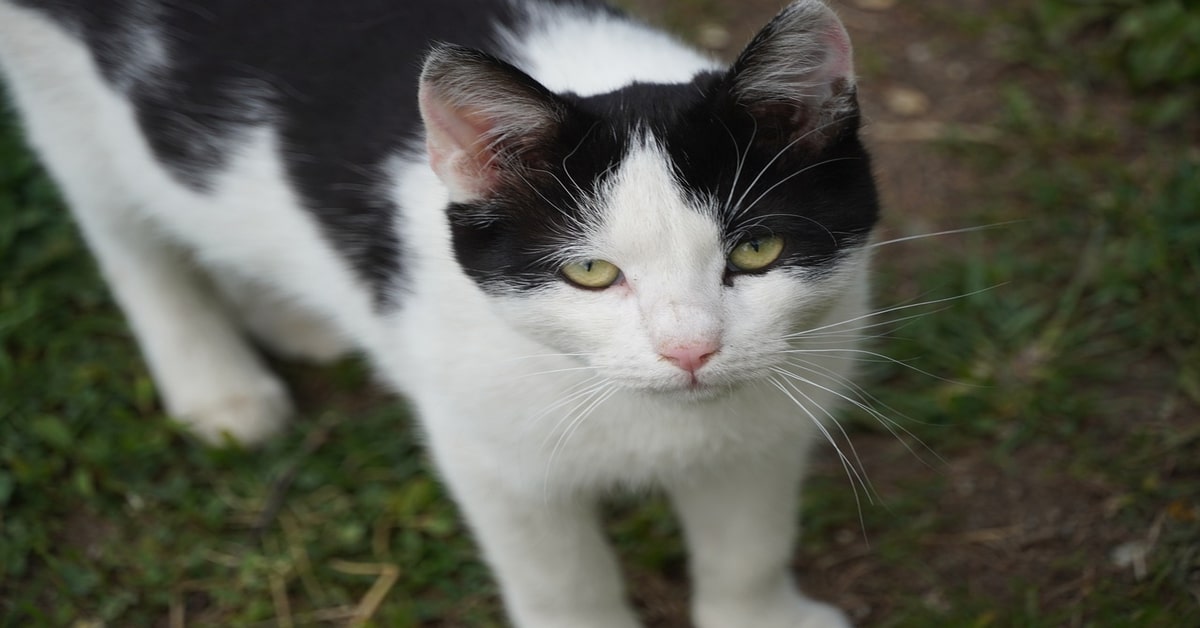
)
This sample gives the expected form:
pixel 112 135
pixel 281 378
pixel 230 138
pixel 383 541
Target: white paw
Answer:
pixel 617 617
pixel 248 417
pixel 821 615
pixel 790 611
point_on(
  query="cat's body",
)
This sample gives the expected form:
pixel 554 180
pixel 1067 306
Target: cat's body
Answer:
pixel 280 146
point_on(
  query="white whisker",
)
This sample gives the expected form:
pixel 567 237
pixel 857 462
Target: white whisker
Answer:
pixel 947 232
pixel 827 413
pixel 572 154
pixel 551 371
pixel 772 161
pixel 582 411
pixel 791 176
pixel 852 332
pixel 534 356
pixel 851 472
pixel 741 157
pixel 897 309
pixel 583 389
pixel 880 358
pixel 890 424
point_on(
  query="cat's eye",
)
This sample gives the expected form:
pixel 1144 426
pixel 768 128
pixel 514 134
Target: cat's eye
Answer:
pixel 594 274
pixel 755 253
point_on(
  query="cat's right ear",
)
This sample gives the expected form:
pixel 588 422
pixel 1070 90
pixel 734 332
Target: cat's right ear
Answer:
pixel 796 77
pixel 483 118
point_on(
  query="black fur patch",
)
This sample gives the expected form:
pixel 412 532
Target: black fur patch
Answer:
pixel 338 79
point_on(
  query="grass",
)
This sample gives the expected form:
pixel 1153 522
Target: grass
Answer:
pixel 1067 366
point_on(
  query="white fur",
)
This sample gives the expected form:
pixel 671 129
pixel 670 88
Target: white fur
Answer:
pixel 534 406
pixel 561 45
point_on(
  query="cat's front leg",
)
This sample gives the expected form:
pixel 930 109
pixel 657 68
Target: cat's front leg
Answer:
pixel 548 553
pixel 740 523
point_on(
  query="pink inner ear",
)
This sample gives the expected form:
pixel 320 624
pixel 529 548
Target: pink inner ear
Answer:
pixel 457 141
pixel 840 60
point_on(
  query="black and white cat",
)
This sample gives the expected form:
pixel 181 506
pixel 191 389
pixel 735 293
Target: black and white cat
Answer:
pixel 590 256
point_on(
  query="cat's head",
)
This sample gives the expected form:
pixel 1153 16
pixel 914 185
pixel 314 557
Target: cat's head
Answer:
pixel 673 237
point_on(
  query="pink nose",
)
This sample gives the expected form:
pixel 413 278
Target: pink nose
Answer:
pixel 690 357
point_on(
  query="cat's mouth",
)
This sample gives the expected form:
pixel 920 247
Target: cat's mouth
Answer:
pixel 692 388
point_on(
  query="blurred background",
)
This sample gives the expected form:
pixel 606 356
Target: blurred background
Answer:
pixel 1032 441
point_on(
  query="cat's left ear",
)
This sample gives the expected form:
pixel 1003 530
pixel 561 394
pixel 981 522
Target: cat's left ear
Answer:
pixel 796 77
pixel 483 118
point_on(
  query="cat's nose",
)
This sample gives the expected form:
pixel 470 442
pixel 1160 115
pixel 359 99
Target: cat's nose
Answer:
pixel 690 357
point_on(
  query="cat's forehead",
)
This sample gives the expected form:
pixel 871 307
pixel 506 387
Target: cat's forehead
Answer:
pixel 641 105
pixel 646 216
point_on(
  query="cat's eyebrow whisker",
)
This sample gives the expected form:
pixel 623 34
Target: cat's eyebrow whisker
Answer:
pixel 851 471
pixel 572 154
pixel 792 176
pixel 564 213
pixel 741 160
pixel 920 236
pixel 735 236
pixel 772 161
pixel 572 195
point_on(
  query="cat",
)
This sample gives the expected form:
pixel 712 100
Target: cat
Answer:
pixel 591 257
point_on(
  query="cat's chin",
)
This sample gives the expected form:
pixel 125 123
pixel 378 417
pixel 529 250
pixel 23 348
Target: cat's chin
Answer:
pixel 692 392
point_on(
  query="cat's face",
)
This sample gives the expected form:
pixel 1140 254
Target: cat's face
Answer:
pixel 673 238
pixel 659 286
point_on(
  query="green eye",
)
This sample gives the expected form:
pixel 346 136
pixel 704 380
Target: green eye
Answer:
pixel 593 274
pixel 756 253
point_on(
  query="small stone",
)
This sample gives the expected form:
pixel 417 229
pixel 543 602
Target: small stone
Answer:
pixel 713 36
pixel 1132 555
pixel 906 101
pixel 957 71
pixel 875 5
pixel 919 53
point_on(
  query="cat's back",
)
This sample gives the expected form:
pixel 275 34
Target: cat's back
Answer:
pixel 201 112
pixel 335 77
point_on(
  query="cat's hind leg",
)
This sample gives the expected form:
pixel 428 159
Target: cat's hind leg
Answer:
pixel 208 376
pixel 284 327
